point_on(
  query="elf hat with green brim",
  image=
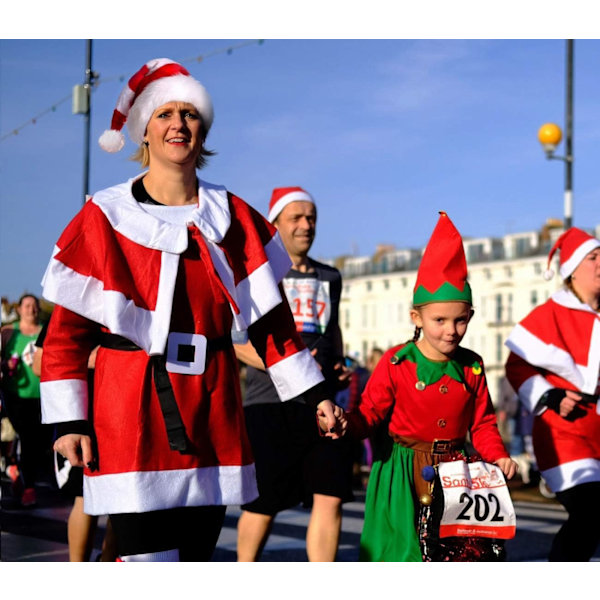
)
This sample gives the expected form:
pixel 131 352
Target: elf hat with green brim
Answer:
pixel 442 275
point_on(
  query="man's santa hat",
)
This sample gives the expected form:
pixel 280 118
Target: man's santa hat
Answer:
pixel 281 197
pixel 442 275
pixel 159 81
pixel 574 244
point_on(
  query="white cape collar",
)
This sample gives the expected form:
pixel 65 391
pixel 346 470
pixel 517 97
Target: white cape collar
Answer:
pixel 568 299
pixel 211 217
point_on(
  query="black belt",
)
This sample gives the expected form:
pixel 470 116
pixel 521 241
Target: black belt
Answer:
pixel 176 434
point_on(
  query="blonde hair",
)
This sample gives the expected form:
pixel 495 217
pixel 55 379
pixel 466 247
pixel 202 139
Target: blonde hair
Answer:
pixel 142 155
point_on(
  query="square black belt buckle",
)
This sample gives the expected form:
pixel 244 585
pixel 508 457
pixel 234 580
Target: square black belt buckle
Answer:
pixel 441 446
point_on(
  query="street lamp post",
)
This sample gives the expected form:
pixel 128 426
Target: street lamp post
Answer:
pixel 82 98
pixel 550 136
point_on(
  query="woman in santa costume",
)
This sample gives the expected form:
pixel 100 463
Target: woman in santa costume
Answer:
pixel 160 271
pixel 554 365
pixel 430 392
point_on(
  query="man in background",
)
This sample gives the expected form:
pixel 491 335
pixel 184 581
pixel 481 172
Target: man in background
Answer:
pixel 294 463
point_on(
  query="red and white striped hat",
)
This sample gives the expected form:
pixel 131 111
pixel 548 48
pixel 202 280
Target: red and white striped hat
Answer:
pixel 281 197
pixel 159 81
pixel 574 244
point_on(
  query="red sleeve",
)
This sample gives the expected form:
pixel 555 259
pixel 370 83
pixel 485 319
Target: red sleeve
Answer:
pixel 292 368
pixel 377 399
pixel 519 370
pixel 274 336
pixel 63 383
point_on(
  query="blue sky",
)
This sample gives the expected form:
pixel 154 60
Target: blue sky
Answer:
pixel 383 133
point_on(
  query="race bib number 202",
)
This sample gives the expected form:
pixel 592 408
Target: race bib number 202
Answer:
pixel 476 501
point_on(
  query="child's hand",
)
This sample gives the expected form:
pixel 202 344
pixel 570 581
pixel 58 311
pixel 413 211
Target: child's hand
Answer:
pixel 508 466
pixel 331 419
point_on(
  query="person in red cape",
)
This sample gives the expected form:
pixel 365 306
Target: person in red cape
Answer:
pixel 162 271
pixel 432 392
pixel 554 365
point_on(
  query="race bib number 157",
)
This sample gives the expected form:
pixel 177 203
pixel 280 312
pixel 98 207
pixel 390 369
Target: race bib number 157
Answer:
pixel 476 501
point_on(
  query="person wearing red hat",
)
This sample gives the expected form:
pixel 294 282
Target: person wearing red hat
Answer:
pixel 554 365
pixel 430 392
pixel 293 463
pixel 162 271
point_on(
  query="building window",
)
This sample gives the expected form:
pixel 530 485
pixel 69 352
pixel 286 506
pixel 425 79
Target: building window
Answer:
pixel 487 273
pixel 510 308
pixel 508 271
pixel 537 268
pixel 347 318
pixel 534 298
pixel 364 316
pixel 386 284
pixel 369 286
pixel 499 345
pixel 499 308
pixel 404 282
pixel 475 253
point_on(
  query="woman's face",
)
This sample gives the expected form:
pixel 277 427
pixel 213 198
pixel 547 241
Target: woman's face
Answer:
pixel 586 277
pixel 28 309
pixel 175 134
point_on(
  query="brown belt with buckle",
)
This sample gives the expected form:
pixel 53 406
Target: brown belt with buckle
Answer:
pixel 426 453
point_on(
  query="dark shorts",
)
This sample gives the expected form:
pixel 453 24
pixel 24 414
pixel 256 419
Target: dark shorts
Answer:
pixel 293 461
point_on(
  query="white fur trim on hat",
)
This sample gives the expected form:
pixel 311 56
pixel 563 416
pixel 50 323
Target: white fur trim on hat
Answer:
pixel 299 196
pixel 112 140
pixel 570 265
pixel 178 88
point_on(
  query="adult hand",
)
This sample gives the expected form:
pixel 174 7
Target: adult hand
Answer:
pixel 568 403
pixel 76 448
pixel 331 419
pixel 508 466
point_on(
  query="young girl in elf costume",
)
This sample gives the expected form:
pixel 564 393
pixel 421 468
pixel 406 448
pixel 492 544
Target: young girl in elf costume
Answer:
pixel 432 392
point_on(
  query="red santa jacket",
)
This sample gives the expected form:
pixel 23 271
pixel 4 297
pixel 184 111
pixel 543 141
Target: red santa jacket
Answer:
pixel 558 346
pixel 116 266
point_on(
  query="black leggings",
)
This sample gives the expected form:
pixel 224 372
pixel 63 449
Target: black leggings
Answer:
pixel 36 439
pixel 579 537
pixel 193 530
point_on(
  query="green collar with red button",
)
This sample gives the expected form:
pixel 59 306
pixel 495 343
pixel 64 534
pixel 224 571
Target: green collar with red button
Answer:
pixel 429 371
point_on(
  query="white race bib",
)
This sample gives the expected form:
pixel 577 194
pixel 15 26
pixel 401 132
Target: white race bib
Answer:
pixel 310 301
pixel 476 501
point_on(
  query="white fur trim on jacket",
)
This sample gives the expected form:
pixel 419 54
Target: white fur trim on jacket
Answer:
pixel 143 491
pixel 295 374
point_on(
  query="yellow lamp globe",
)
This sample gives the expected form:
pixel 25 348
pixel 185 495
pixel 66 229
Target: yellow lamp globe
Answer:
pixel 549 136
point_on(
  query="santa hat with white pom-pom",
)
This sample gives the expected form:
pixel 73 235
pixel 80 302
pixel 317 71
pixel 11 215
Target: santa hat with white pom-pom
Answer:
pixel 159 81
pixel 574 244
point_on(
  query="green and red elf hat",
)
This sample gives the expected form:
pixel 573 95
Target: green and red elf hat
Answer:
pixel 442 275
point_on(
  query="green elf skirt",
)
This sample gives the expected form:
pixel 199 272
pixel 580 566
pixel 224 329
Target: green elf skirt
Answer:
pixel 389 531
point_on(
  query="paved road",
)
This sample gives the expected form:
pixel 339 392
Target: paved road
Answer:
pixel 39 534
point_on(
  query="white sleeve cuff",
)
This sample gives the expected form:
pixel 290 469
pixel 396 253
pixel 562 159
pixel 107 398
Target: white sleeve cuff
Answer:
pixel 64 400
pixel 295 374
